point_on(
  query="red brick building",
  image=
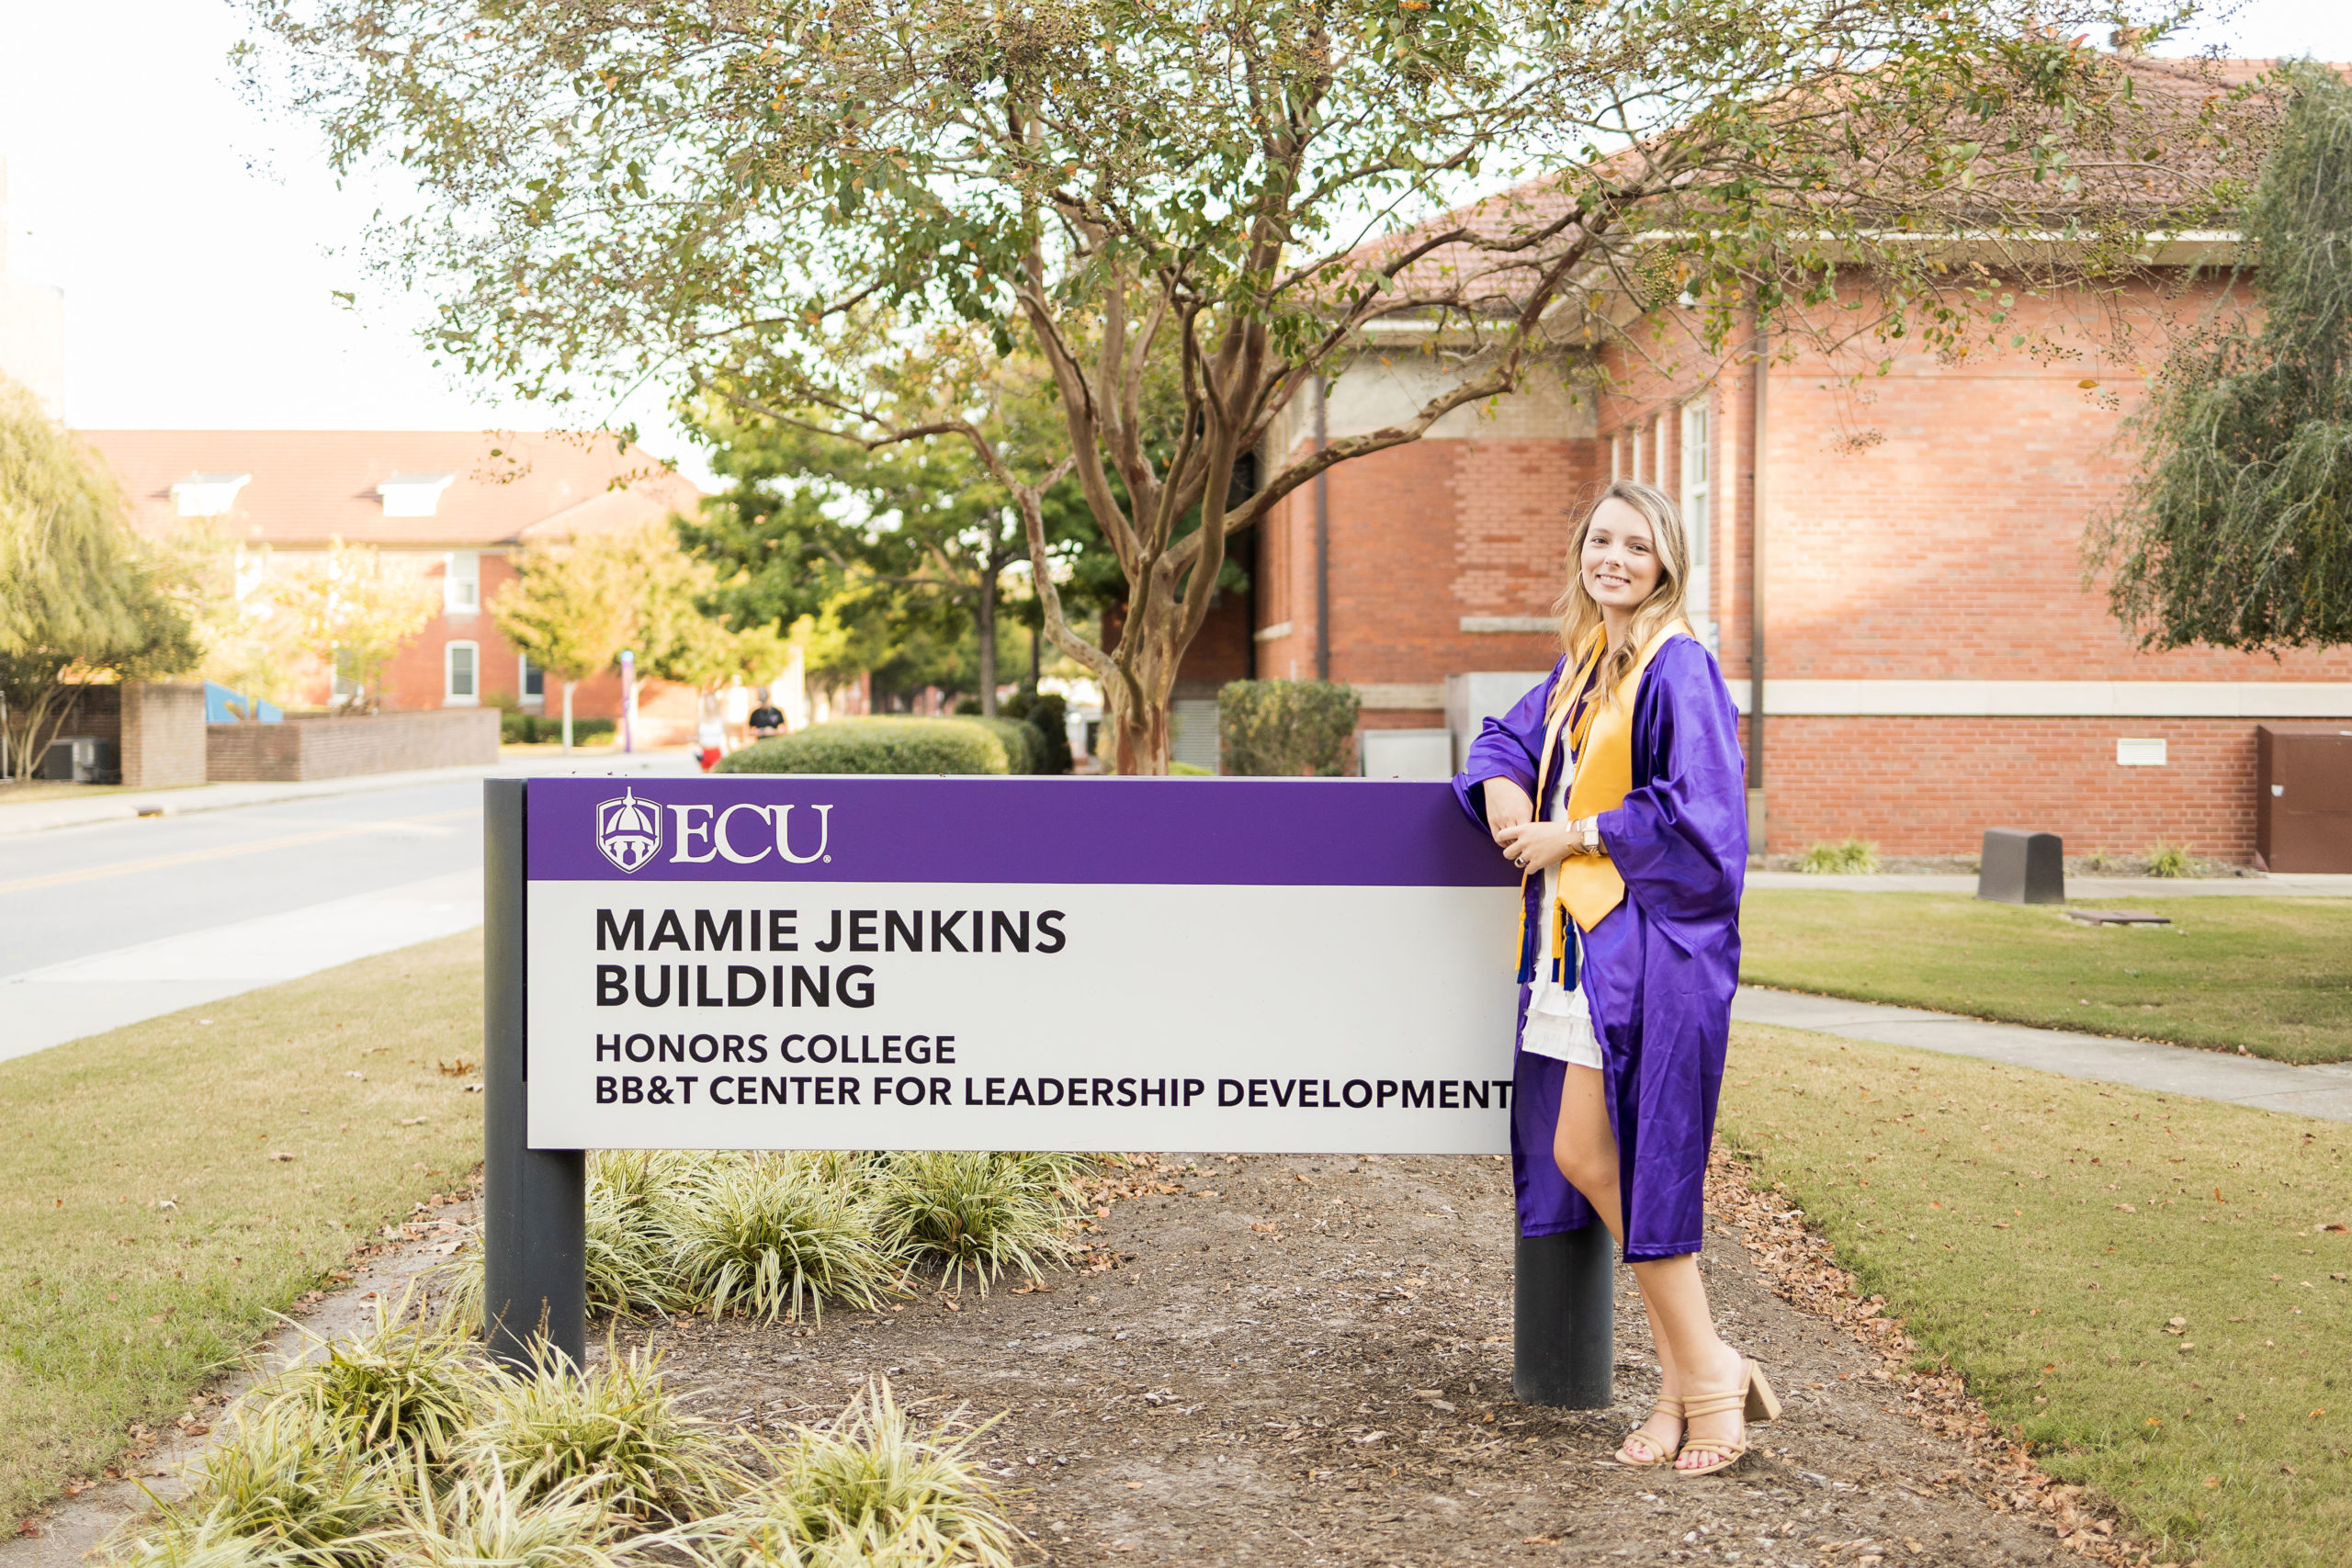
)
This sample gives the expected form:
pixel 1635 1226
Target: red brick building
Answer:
pixel 447 507
pixel 1934 661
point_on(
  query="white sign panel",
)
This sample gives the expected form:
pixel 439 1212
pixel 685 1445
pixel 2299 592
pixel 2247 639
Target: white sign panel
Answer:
pixel 811 962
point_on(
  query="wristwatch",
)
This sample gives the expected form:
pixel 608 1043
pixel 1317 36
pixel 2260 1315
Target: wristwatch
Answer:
pixel 1586 834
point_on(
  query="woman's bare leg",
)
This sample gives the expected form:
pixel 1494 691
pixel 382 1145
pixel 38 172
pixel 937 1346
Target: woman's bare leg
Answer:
pixel 1584 1146
pixel 1684 1328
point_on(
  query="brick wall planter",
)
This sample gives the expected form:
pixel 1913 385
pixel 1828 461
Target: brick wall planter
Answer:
pixel 341 747
pixel 156 730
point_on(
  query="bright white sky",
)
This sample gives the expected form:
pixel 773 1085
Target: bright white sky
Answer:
pixel 200 246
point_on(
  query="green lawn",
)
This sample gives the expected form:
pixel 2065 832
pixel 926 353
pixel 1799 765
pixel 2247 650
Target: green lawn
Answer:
pixel 2272 975
pixel 146 1232
pixel 2153 1289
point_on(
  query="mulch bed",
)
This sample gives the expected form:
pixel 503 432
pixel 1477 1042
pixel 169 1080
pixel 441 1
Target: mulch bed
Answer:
pixel 1306 1360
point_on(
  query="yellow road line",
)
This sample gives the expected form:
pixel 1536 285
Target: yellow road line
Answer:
pixel 291 840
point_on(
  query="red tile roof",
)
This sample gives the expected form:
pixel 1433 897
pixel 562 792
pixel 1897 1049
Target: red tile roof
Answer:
pixel 308 486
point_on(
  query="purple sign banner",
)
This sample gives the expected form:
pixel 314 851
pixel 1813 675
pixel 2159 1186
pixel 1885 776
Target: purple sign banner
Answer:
pixel 819 961
pixel 805 828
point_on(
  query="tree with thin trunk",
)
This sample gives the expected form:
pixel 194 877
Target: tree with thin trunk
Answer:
pixel 901 528
pixel 2238 530
pixel 353 610
pixel 771 205
pixel 82 599
pixel 571 608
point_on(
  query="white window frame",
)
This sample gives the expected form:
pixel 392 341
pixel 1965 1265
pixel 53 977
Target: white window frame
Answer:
pixel 523 692
pixel 450 696
pixel 1636 474
pixel 461 584
pixel 1698 514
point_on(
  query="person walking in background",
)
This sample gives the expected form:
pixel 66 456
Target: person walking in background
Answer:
pixel 710 734
pixel 767 719
pixel 1631 873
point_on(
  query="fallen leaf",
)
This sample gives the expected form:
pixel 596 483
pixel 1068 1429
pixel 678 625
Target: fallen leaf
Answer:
pixel 281 1156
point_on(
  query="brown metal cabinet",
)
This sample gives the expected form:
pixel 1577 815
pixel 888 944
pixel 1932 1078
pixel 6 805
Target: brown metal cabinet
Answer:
pixel 2304 783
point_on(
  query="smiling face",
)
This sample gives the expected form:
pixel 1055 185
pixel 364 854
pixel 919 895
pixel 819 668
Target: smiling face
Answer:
pixel 1620 564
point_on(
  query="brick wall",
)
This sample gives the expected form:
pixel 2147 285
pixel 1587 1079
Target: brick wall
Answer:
pixel 1421 537
pixel 341 747
pixel 1933 786
pixel 163 735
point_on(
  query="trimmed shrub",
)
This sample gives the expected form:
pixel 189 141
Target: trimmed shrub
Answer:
pixel 875 746
pixel 1285 728
pixel 545 729
pixel 1049 713
pixel 1023 747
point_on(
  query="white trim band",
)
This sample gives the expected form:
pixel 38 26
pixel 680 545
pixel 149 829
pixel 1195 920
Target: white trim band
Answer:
pixel 2054 699
pixel 1274 633
pixel 1514 624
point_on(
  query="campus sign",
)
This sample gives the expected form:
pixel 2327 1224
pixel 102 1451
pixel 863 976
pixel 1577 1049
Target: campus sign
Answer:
pixel 796 962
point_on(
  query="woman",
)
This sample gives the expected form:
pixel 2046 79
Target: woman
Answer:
pixel 1629 949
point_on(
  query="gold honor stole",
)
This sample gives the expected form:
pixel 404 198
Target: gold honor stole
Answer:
pixel 1602 737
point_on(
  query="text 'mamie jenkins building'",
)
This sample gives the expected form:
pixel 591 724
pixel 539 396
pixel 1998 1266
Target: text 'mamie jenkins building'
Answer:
pixel 438 505
pixel 1934 663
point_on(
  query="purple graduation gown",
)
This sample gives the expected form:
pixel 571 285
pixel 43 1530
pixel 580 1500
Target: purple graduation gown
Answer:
pixel 1659 969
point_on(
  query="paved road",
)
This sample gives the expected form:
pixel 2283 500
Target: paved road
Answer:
pixel 104 925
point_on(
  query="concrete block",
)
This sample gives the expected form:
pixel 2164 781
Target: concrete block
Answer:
pixel 2022 867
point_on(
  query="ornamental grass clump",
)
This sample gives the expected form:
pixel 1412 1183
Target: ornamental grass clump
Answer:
pixel 484 1521
pixel 633 1198
pixel 199 1549
pixel 285 1483
pixel 984 1212
pixel 868 1489
pixel 411 1385
pixel 2170 860
pixel 773 1236
pixel 611 1434
pixel 1855 857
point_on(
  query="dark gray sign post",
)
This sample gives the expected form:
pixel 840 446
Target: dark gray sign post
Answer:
pixel 535 1201
pixel 1563 1319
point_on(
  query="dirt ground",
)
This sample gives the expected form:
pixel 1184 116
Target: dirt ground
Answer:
pixel 1306 1360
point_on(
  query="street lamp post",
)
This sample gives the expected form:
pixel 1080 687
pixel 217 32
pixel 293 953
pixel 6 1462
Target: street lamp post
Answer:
pixel 629 700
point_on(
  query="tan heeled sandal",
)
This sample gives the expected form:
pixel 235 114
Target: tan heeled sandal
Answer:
pixel 1656 1445
pixel 1756 1403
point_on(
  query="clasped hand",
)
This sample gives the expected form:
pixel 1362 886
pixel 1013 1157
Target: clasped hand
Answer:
pixel 1511 822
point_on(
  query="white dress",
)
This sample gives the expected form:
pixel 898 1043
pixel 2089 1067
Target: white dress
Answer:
pixel 1559 1021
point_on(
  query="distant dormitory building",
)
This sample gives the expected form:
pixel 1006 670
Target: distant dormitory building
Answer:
pixel 448 507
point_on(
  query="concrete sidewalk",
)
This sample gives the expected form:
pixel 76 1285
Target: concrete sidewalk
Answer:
pixel 123 805
pixel 41 1008
pixel 2079 889
pixel 2322 1091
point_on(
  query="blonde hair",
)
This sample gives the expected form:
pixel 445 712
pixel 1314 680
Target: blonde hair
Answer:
pixel 1580 615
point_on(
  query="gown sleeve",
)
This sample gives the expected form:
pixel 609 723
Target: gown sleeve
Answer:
pixel 1506 748
pixel 1680 840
